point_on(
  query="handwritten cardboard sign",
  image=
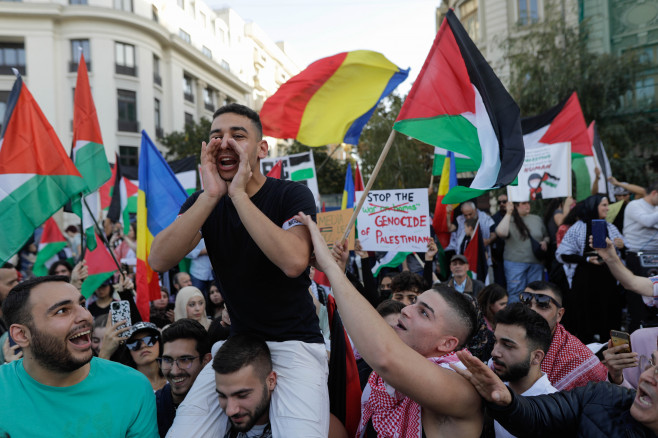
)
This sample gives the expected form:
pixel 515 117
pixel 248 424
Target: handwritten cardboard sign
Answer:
pixel 332 226
pixel 394 220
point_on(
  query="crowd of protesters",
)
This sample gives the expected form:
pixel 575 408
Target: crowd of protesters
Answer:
pixel 247 344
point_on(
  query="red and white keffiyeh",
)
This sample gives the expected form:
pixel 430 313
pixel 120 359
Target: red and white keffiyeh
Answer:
pixel 569 363
pixel 393 414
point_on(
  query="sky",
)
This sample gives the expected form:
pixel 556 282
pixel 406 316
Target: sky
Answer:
pixel 402 30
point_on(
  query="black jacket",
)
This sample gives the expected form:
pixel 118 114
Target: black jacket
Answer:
pixel 596 410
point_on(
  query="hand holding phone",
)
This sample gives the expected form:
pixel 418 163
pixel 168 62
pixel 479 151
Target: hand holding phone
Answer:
pixel 599 233
pixel 120 311
pixel 621 338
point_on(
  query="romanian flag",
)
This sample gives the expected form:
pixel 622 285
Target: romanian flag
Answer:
pixel 100 266
pixel 448 181
pixel 332 99
pixel 158 202
pixel 52 241
pixel 564 122
pixel 36 175
pixel 474 253
pixel 348 190
pixel 457 103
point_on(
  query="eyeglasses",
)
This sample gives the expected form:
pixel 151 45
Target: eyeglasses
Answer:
pixel 543 301
pixel 646 363
pixel 183 362
pixel 502 201
pixel 148 341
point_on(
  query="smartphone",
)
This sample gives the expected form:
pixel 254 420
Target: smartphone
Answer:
pixel 620 338
pixel 12 343
pixel 599 233
pixel 119 311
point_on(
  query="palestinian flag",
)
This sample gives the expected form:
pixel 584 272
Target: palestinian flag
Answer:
pixel 358 180
pixel 122 191
pixel 390 260
pixel 564 123
pixel 52 242
pixel 185 171
pixel 447 182
pixel 601 161
pixel 457 103
pixel 476 256
pixel 461 162
pixel 36 176
pixel 275 172
pixel 100 266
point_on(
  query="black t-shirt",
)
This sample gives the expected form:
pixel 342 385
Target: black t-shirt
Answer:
pixel 259 297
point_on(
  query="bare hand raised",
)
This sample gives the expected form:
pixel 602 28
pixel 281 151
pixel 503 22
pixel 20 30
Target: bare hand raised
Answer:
pixel 615 361
pixel 322 256
pixel 213 185
pixel 238 185
pixel 485 381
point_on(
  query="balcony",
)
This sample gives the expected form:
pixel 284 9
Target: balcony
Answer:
pixel 7 69
pixel 189 97
pixel 125 70
pixel 73 66
pixel 128 126
pixel 159 132
pixel 157 79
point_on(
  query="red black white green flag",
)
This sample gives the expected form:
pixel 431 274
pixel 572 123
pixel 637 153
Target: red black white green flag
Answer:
pixel 457 103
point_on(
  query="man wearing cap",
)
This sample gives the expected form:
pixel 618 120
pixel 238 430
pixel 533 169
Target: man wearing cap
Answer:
pixel 461 282
pixel 59 389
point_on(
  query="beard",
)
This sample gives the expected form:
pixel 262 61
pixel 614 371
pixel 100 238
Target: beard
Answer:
pixel 258 412
pixel 516 371
pixel 53 354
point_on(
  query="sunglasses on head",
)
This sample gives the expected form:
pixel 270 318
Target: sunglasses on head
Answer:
pixel 148 341
pixel 543 301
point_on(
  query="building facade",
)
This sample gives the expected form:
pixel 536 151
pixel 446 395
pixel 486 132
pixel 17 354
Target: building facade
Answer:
pixel 154 65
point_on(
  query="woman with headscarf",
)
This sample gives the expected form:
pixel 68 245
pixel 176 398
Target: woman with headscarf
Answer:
pixel 595 298
pixel 190 303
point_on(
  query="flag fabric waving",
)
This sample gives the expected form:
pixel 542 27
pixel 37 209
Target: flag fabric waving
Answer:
pixel 461 162
pixel 602 162
pixel 564 122
pixel 332 99
pixel 52 241
pixel 158 202
pixel 275 172
pixel 447 182
pixel 390 260
pixel 458 103
pixel 122 191
pixel 358 180
pixel 36 175
pixel 348 190
pixel 476 256
pixel 100 266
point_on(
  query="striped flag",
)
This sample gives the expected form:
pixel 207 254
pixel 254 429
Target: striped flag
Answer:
pixel 476 256
pixel 275 172
pixel 461 162
pixel 36 175
pixel 122 191
pixel 602 162
pixel 52 241
pixel 158 202
pixel 457 103
pixel 100 266
pixel 358 180
pixel 332 99
pixel 447 182
pixel 390 260
pixel 348 190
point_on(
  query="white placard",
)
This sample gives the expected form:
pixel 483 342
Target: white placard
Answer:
pixel 546 173
pixel 394 220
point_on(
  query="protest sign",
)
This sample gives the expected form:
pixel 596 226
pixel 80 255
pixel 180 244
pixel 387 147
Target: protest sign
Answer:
pixel 296 167
pixel 332 226
pixel 394 220
pixel 546 173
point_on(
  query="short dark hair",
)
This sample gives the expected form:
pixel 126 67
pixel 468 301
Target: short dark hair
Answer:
pixel 7 265
pixel 236 108
pixel 101 321
pixel 545 285
pixel 54 266
pixel 472 222
pixel 242 350
pixel 463 309
pixel 186 328
pixel 389 307
pixel 537 330
pixel 15 308
pixel 407 280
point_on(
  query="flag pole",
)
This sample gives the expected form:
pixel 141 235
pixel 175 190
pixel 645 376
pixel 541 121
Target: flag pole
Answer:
pixel 102 235
pixel 371 181
pixel 83 238
pixel 431 187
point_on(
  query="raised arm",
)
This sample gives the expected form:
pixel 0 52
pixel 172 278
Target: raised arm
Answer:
pixel 502 230
pixel 628 280
pixel 431 386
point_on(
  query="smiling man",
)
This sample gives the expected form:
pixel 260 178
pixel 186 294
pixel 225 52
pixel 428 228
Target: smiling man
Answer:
pixel 244 382
pixel 185 351
pixel 596 410
pixel 59 388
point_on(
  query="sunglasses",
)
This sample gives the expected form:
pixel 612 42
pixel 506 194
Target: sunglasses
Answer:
pixel 502 201
pixel 543 301
pixel 148 341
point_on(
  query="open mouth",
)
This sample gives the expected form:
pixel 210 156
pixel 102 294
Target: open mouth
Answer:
pixel 81 339
pixel 178 381
pixel 227 163
pixel 643 398
pixel 401 326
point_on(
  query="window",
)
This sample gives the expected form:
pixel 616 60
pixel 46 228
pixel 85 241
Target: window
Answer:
pixel 127 104
pixel 154 14
pixel 158 122
pixel 77 2
pixel 206 52
pixel 79 47
pixel 189 119
pixel 468 13
pixel 202 19
pixel 188 88
pixel 125 59
pixel 156 70
pixel 191 11
pixel 4 97
pixel 12 55
pixel 128 156
pixel 184 35
pixel 124 5
pixel 528 12
pixel 222 35
pixel 209 98
pixel 225 65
